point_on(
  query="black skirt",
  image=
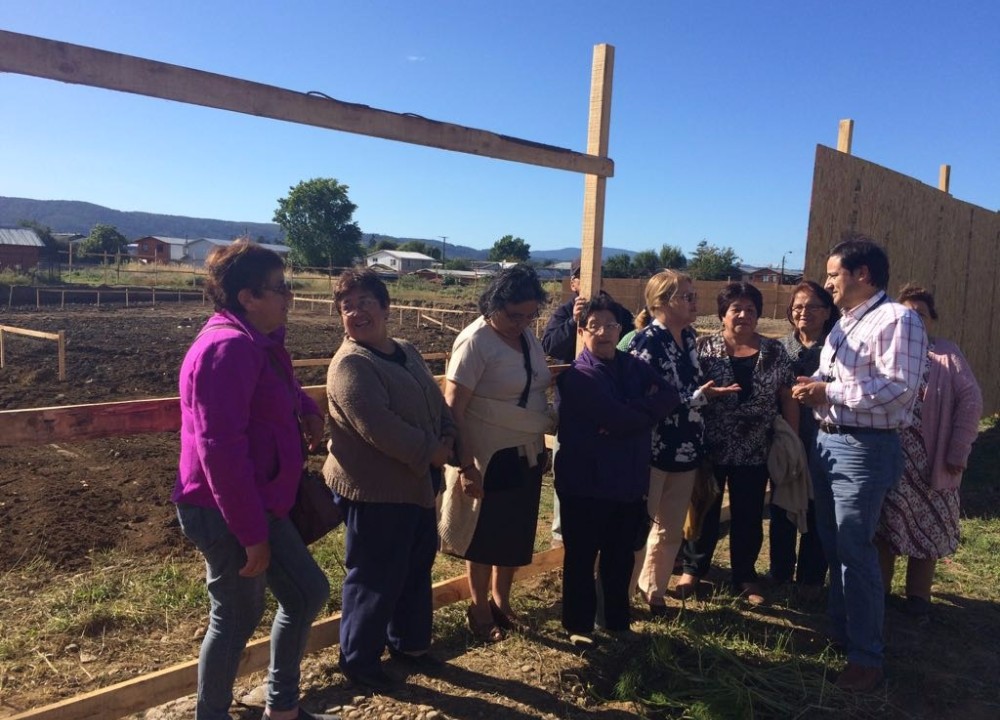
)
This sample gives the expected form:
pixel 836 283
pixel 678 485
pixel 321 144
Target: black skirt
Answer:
pixel 508 516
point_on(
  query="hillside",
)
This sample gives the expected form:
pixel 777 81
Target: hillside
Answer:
pixel 73 216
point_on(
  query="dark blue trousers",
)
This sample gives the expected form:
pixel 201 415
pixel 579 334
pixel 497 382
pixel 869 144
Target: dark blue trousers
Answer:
pixel 387 591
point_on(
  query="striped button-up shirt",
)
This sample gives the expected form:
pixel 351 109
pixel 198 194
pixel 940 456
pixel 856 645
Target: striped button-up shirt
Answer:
pixel 872 361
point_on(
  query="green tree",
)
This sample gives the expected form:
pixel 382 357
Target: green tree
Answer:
pixel 103 239
pixel 317 220
pixel 385 245
pixel 510 248
pixel 44 232
pixel 617 266
pixel 713 263
pixel 457 264
pixel 672 257
pixel 645 263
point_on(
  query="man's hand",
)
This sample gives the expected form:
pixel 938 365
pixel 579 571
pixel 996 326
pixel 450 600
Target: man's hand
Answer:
pixel 578 305
pixel 258 558
pixel 810 392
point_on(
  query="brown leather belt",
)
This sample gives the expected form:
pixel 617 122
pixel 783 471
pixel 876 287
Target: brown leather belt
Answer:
pixel 831 429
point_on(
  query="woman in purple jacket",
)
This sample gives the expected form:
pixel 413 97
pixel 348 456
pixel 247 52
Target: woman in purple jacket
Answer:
pixel 609 404
pixel 240 464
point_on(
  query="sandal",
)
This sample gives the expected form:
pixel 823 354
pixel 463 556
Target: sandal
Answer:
pixel 506 621
pixel 488 632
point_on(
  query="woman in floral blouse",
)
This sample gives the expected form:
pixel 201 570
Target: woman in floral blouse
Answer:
pixel 665 339
pixel 738 430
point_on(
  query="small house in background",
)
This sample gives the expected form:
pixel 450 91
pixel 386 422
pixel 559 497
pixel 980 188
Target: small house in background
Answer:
pixel 399 260
pixel 198 250
pixel 158 249
pixel 20 248
pixel 769 275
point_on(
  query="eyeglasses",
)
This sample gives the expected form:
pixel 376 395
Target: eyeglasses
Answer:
pixel 521 318
pixel 686 297
pixel 282 288
pixel 799 309
pixel 607 328
pixel 363 305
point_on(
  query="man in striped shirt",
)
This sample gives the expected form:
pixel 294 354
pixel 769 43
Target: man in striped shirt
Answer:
pixel 862 395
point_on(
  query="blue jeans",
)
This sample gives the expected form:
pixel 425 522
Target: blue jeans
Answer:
pixel 851 475
pixel 298 584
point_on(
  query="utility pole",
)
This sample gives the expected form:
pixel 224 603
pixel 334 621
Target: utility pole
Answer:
pixel 444 246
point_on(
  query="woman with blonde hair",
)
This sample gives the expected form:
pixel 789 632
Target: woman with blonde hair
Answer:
pixel 665 339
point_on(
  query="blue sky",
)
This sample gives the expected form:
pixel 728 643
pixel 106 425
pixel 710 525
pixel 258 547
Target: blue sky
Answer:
pixel 717 108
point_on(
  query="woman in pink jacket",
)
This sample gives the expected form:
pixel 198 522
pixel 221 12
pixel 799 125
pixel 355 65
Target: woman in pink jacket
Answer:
pixel 920 514
pixel 239 471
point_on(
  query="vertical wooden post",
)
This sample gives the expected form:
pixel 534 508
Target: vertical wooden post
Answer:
pixel 845 136
pixel 592 246
pixel 3 355
pixel 62 355
pixel 944 178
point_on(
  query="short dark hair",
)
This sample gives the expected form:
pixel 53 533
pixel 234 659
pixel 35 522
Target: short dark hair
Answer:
pixel 820 294
pixel 601 301
pixel 517 284
pixel 737 291
pixel 238 266
pixel 363 279
pixel 856 250
pixel 915 293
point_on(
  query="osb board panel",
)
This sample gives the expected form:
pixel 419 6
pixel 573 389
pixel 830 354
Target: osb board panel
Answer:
pixel 944 244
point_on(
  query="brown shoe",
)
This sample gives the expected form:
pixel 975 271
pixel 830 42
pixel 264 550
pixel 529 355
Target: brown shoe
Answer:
pixel 860 678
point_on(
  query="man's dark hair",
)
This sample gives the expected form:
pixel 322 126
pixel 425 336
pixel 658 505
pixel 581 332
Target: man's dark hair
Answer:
pixel 856 250
pixel 738 291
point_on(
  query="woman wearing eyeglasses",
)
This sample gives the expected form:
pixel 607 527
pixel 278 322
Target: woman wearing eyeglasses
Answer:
pixel 609 402
pixel 496 388
pixel 738 433
pixel 239 471
pixel 812 314
pixel 665 339
pixel 390 433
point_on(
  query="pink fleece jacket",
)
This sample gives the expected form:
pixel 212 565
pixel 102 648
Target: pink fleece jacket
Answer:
pixel 241 448
pixel 951 412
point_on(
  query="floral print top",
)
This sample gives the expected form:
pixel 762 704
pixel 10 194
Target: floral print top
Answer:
pixel 738 432
pixel 678 440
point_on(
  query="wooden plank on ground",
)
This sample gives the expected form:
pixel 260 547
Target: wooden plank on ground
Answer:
pixel 40 57
pixel 162 686
pixel 29 333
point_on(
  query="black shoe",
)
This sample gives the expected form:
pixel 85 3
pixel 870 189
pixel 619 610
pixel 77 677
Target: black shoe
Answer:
pixel 424 662
pixel 918 608
pixel 658 611
pixel 376 679
pixel 303 715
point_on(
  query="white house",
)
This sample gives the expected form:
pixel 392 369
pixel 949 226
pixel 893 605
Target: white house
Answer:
pixel 399 260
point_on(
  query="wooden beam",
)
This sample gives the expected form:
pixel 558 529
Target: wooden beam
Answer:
pixel 598 132
pixel 162 686
pixel 944 178
pixel 40 57
pixel 845 136
pixel 29 333
pixel 71 423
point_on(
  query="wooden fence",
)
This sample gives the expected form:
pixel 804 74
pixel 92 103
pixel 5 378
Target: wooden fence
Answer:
pixel 59 337
pixel 950 247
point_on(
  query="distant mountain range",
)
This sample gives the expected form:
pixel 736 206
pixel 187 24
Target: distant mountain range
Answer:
pixel 72 216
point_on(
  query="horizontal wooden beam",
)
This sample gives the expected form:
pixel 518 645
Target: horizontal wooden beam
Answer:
pixel 29 333
pixel 71 423
pixel 162 686
pixel 77 64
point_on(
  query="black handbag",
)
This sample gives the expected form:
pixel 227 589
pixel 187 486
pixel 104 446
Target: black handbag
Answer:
pixel 315 512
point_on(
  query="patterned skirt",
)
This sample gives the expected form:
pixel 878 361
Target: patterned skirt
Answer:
pixel 918 521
